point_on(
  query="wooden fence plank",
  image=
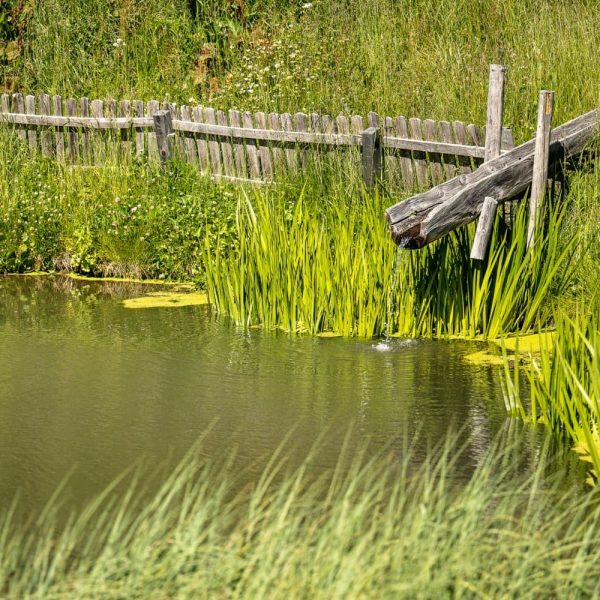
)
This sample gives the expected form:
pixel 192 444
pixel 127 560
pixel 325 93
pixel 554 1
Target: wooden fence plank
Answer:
pixel 495 109
pixel 5 103
pixel 239 151
pixel 86 142
pixel 213 145
pixel 406 163
pixel 420 162
pixel 290 151
pixel 191 150
pixel 46 133
pixel 31 131
pixel 19 107
pixel 59 132
pixel 126 143
pixel 201 142
pixel 251 147
pixel 301 125
pixel 392 164
pixel 152 107
pixel 450 168
pixel 460 131
pixel 138 111
pixel 98 142
pixel 435 160
pixel 72 137
pixel 226 147
pixel 278 155
pixel 266 161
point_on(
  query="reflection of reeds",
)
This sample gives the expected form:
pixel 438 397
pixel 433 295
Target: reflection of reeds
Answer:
pixel 371 526
pixel 564 383
pixel 306 268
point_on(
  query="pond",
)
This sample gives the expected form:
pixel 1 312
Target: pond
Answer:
pixel 88 387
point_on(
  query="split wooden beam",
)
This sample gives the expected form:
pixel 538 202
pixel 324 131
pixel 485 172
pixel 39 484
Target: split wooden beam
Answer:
pixel 430 215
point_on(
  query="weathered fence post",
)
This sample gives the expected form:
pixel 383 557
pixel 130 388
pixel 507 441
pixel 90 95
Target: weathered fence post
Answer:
pixel 540 162
pixel 485 226
pixel 372 157
pixel 495 109
pixel 163 126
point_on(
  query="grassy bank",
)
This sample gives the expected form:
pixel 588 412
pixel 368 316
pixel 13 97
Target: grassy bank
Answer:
pixel 370 527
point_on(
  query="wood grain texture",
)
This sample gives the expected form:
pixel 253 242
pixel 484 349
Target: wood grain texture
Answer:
pixel 72 137
pixel 266 161
pixel 485 226
pixel 31 131
pixel 59 132
pixel 251 148
pixel 416 133
pixel 495 110
pixel 214 148
pixel 226 146
pixel 201 142
pixel 45 135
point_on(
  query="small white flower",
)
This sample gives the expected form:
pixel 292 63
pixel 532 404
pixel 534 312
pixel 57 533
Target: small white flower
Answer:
pixel 307 5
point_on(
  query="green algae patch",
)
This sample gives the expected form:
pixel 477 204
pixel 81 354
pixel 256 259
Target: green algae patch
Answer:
pixel 329 334
pixel 166 300
pixel 485 357
pixel 532 343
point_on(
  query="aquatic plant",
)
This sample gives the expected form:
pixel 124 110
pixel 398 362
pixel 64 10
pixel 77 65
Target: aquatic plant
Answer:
pixel 373 526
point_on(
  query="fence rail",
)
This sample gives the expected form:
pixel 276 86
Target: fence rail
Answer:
pixel 246 146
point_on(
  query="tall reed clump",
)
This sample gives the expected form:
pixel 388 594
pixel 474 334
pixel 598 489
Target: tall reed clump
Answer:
pixel 564 387
pixel 310 268
pixel 371 527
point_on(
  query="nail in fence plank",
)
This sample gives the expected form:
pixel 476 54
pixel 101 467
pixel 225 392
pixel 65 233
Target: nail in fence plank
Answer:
pixel 59 132
pixel 86 143
pixel 539 182
pixel 266 161
pixel 163 127
pixel 138 111
pixel 460 131
pixel 420 163
pixel 239 151
pixel 226 147
pixel 72 137
pixel 152 107
pixel 213 144
pixel 31 131
pixel 495 108
pixel 290 151
pixel 435 160
pixel 450 168
pixel 251 148
pixel 406 163
pixel 301 124
pixel 46 133
pixel 191 151
pixel 19 107
pixel 278 155
pixel 201 142
pixel 126 143
pixel 372 157
pixel 98 142
pixel 485 226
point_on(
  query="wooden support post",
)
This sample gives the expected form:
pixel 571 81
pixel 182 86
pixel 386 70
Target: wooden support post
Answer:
pixel 372 157
pixel 163 127
pixel 485 226
pixel 495 108
pixel 540 162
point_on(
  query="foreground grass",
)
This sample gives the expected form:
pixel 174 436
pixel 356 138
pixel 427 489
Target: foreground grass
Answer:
pixel 370 528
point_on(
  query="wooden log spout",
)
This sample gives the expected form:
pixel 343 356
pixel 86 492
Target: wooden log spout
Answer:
pixel 426 217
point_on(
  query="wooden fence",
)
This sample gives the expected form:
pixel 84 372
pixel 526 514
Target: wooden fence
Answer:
pixel 241 146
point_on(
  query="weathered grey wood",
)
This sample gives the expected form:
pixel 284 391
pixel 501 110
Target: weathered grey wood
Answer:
pixel 138 111
pixel 420 162
pixel 98 141
pixel 31 131
pixel 164 134
pixel 152 107
pixel 72 137
pixel 392 164
pixel 18 107
pixel 357 124
pixel 4 103
pixel 290 151
pixel 266 161
pixel 279 159
pixel 45 134
pixel 495 110
pixel 301 123
pixel 372 157
pixel 201 142
pixel 539 181
pixel 508 142
pixel 373 119
pixel 428 216
pixel 406 163
pixel 460 132
pixel 179 147
pixel 77 122
pixel 126 143
pixel 435 160
pixel 239 152
pixel 475 135
pixel 449 160
pixel 253 157
pixel 59 132
pixel 226 147
pixel 86 143
pixel 213 145
pixel 485 226
pixel 191 150
pixel 509 209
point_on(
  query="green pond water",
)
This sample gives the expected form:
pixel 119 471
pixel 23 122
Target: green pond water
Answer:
pixel 89 387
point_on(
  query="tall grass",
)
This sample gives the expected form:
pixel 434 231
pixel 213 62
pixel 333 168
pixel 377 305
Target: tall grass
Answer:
pixel 334 268
pixel 564 386
pixel 371 527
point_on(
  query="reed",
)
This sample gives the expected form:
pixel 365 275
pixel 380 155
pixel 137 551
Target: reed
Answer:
pixel 370 527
